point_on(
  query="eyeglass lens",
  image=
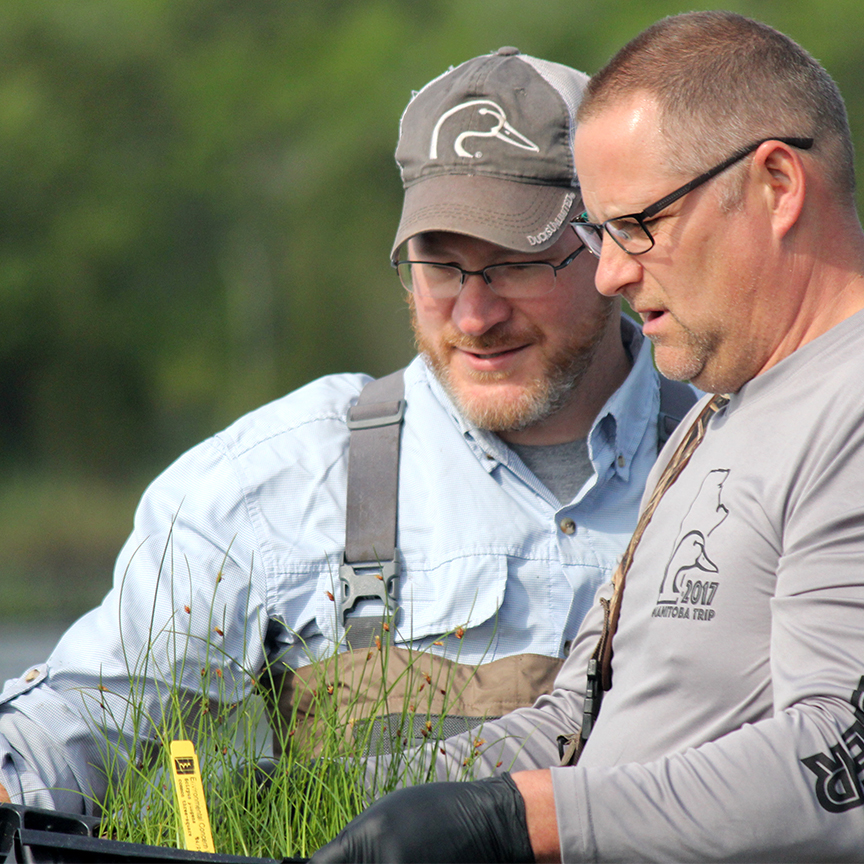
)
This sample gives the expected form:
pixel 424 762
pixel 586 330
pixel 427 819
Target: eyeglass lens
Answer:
pixel 630 234
pixel 591 235
pixel 512 281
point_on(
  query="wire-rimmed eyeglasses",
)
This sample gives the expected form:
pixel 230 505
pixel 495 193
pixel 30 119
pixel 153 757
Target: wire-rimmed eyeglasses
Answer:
pixel 516 280
pixel 631 232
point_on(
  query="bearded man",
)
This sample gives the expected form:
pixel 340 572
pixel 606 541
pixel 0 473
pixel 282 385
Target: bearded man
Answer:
pixel 524 432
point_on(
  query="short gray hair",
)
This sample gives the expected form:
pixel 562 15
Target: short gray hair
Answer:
pixel 723 81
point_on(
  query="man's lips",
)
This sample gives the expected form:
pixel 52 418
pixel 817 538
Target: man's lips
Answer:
pixel 652 320
pixel 486 358
pixel 486 355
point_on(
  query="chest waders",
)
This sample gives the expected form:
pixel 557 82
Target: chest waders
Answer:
pixel 400 690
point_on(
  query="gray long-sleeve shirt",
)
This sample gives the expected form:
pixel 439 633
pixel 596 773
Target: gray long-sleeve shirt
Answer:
pixel 734 729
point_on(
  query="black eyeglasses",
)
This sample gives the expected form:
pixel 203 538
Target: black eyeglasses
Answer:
pixel 631 233
pixel 513 281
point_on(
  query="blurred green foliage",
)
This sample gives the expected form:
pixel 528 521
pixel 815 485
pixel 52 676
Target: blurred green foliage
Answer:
pixel 197 200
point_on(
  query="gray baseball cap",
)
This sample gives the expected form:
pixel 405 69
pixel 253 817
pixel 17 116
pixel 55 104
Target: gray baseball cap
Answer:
pixel 486 149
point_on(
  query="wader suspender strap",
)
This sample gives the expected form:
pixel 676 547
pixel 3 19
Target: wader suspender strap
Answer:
pixel 370 566
pixel 600 664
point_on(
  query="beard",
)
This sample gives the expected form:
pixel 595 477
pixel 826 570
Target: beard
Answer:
pixel 542 397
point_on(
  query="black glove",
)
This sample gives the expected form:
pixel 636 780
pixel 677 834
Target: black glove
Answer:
pixel 483 820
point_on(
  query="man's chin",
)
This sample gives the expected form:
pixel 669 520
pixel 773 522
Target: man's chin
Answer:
pixel 680 363
pixel 499 405
pixel 515 400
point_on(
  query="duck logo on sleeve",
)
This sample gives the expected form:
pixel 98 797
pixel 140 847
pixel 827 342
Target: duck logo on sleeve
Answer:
pixel 690 577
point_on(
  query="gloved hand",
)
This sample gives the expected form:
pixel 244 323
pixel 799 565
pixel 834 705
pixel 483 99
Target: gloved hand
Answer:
pixel 483 820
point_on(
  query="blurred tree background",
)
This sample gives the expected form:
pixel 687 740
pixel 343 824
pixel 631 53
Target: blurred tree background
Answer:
pixel 197 200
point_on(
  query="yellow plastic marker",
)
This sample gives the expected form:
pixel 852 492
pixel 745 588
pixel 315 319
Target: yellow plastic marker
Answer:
pixel 190 797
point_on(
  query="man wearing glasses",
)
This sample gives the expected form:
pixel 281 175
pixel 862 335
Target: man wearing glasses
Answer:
pixel 529 424
pixel 712 707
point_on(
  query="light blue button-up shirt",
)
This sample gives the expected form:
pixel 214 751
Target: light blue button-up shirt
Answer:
pixel 236 550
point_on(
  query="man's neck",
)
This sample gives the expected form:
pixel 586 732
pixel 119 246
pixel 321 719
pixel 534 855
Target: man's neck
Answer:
pixel 832 291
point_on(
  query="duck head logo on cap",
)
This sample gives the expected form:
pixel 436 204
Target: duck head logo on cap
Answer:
pixel 500 129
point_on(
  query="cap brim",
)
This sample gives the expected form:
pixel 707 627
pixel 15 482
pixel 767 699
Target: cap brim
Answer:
pixel 519 216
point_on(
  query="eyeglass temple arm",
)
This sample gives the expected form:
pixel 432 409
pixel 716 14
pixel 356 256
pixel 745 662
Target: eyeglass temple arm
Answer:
pixel 800 143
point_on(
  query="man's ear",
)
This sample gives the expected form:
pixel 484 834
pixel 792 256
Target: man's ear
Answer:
pixel 783 174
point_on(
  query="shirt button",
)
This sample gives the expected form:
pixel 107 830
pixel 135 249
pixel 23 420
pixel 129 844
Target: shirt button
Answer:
pixel 567 646
pixel 32 675
pixel 621 461
pixel 568 526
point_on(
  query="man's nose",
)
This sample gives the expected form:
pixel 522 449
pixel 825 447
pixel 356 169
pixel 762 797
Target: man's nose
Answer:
pixel 478 308
pixel 616 269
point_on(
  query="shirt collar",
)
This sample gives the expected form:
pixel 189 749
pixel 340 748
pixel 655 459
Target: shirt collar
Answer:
pixel 621 424
pixel 489 449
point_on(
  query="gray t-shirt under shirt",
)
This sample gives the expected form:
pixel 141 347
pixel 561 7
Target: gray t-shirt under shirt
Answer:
pixel 562 468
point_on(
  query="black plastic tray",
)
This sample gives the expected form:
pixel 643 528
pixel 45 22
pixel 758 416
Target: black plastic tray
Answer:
pixel 32 836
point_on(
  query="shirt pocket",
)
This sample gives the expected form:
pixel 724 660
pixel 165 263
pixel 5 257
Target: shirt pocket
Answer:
pixel 432 597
